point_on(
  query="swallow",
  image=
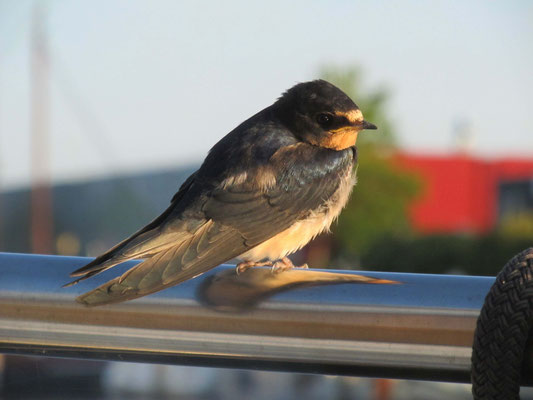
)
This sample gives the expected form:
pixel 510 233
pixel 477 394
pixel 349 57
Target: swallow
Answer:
pixel 264 191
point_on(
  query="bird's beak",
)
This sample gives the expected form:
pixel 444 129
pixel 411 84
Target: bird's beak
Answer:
pixel 368 125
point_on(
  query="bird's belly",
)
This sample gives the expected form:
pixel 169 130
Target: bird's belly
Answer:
pixel 302 231
pixel 288 241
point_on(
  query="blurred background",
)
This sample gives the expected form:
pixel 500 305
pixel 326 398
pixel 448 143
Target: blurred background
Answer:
pixel 107 106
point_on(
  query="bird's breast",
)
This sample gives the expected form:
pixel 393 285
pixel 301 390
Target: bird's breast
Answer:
pixel 307 228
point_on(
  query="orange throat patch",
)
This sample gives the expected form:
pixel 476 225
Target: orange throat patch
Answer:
pixel 340 140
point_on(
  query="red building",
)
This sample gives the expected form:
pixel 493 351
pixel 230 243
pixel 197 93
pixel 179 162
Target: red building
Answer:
pixel 465 194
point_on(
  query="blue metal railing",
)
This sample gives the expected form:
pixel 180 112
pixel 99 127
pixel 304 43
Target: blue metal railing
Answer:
pixel 300 321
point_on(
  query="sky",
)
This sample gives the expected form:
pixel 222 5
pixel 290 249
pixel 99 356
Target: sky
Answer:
pixel 143 85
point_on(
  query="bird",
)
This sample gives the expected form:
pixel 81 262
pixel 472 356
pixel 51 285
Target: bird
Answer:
pixel 263 191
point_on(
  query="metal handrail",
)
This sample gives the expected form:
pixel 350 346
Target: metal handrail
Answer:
pixel 300 321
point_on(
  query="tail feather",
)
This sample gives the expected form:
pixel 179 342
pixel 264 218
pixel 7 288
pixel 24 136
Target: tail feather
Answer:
pixel 149 240
pixel 93 268
pixel 171 266
pixel 137 246
pixel 126 250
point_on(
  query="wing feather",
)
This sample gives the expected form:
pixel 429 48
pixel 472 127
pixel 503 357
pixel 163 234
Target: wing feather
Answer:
pixel 170 267
pixel 220 223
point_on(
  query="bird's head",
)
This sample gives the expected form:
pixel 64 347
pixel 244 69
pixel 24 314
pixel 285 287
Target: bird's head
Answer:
pixel 321 114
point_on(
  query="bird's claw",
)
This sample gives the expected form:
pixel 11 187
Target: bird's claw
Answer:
pixel 245 265
pixel 285 264
pixel 279 266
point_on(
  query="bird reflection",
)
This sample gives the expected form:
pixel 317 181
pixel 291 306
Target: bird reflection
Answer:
pixel 229 291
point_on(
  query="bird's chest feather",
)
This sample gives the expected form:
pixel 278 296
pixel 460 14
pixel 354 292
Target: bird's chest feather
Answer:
pixel 304 230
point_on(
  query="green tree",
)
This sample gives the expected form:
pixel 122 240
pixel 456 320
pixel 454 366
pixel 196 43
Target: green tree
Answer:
pixel 378 206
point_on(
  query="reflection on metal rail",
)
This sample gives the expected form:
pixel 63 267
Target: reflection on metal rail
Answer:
pixel 305 321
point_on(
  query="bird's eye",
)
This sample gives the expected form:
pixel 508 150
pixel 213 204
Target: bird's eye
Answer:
pixel 324 119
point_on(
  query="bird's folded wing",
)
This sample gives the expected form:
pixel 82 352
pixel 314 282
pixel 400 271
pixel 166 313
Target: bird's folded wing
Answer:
pixel 259 216
pixel 211 245
pixel 234 220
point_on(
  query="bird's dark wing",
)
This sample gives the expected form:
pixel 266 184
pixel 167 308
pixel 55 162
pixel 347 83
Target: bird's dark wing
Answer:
pixel 208 247
pixel 260 213
pixel 153 238
pixel 235 219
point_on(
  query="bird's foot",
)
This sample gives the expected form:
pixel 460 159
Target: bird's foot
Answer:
pixel 243 266
pixel 284 265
